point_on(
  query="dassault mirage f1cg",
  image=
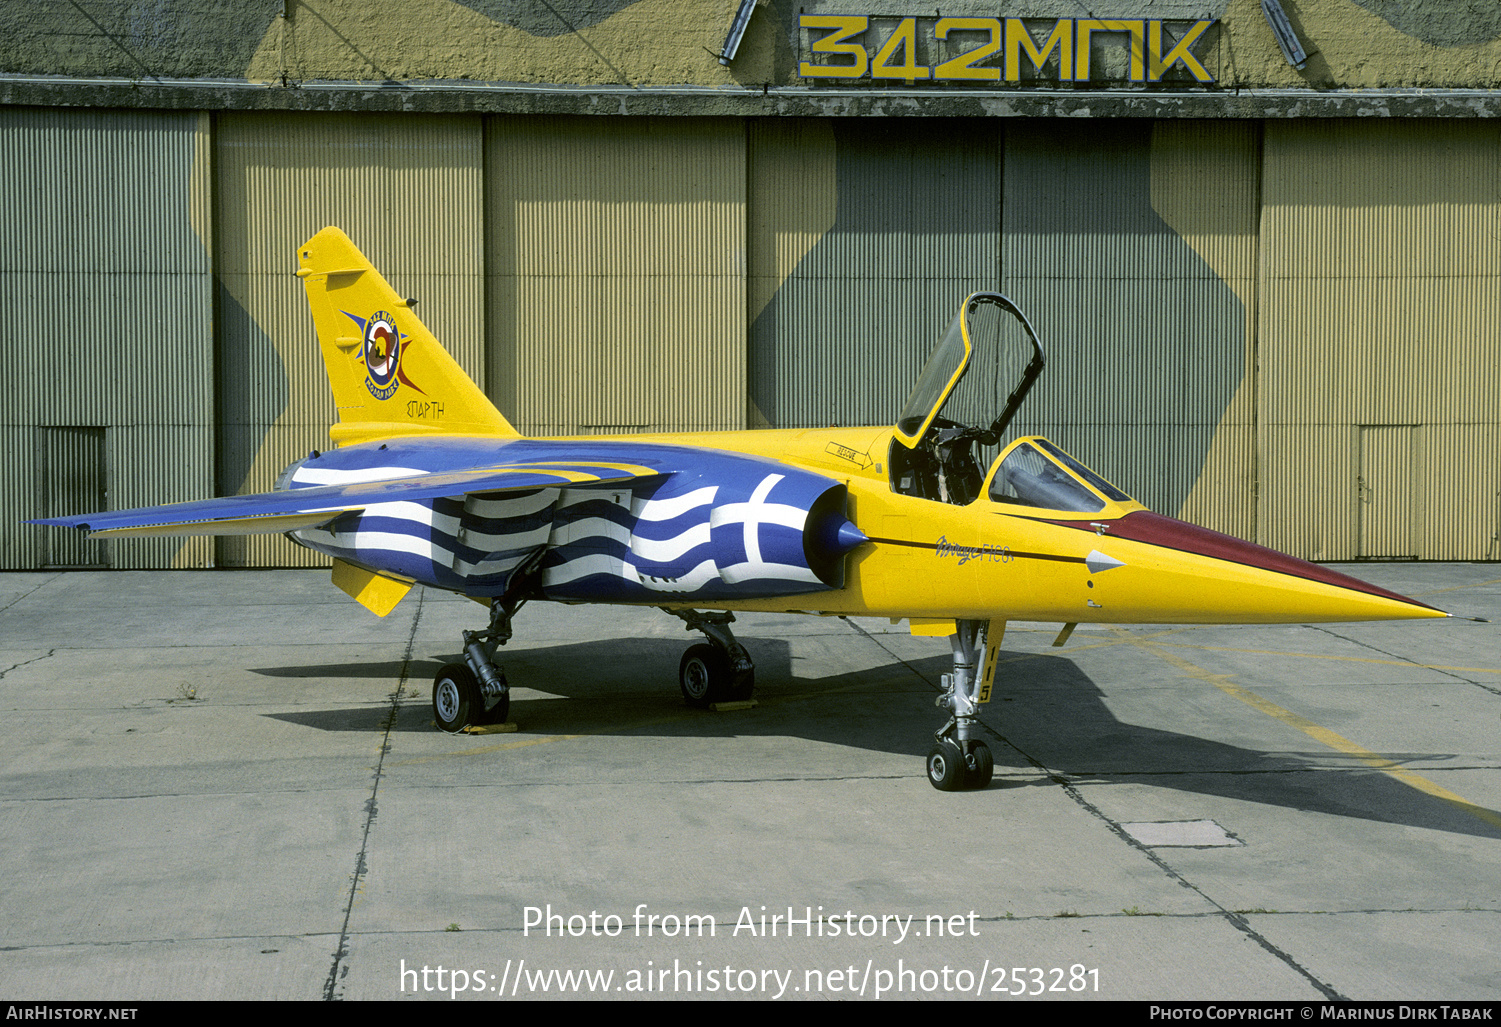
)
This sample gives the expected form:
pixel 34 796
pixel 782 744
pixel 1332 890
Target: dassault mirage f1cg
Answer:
pixel 932 519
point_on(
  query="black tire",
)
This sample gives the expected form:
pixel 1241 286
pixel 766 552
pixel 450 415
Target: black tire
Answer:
pixel 983 768
pixel 946 769
pixel 456 698
pixel 704 675
pixel 745 688
pixel 498 713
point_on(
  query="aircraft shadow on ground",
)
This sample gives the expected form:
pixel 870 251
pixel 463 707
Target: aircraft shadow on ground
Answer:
pixel 1046 717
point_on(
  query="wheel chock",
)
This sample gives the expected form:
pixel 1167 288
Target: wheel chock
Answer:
pixel 738 704
pixel 491 729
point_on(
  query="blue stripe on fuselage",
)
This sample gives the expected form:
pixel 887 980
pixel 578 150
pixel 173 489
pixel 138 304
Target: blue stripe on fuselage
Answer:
pixel 680 471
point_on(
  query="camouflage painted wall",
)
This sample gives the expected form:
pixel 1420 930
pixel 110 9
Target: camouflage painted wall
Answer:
pixel 1138 289
pixel 905 214
pixel 1379 398
pixel 408 191
pixel 134 38
pixel 1140 280
pixel 615 253
pixel 1284 330
pixel 564 41
pixel 1353 44
pixel 106 278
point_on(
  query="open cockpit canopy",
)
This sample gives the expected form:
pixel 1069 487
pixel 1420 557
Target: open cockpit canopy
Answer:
pixel 964 400
pixel 978 376
pixel 968 392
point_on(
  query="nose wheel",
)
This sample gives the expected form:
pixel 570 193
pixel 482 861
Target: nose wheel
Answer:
pixel 951 769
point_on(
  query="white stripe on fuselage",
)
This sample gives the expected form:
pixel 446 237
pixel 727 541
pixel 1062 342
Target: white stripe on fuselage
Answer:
pixel 341 476
pixel 603 563
pixel 667 509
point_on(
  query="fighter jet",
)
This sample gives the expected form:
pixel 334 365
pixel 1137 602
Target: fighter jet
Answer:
pixel 938 518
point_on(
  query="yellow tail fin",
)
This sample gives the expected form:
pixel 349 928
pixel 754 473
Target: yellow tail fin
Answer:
pixel 389 375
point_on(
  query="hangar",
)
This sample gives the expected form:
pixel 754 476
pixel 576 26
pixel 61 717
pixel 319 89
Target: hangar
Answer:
pixel 1261 241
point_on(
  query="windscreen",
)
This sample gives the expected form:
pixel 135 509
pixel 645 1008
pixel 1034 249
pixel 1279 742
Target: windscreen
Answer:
pixel 1111 492
pixel 1028 478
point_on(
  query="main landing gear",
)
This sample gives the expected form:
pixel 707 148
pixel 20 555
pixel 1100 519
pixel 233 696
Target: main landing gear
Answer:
pixel 958 760
pixel 475 691
pixel 719 670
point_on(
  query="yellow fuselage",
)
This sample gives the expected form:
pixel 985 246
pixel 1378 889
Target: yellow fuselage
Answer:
pixel 989 560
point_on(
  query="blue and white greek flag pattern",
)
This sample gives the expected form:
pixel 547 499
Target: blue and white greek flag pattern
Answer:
pixel 473 541
pixel 682 537
pixel 678 544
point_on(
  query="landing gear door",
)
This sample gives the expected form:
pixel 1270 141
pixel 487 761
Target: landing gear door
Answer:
pixel 969 391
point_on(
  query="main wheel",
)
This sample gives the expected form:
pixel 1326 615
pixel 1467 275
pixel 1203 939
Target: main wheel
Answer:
pixel 946 769
pixel 983 768
pixel 456 698
pixel 704 675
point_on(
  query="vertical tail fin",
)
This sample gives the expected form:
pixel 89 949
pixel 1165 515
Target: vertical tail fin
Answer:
pixel 389 375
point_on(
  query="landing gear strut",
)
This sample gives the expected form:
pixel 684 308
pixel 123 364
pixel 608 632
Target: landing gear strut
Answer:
pixel 475 691
pixel 719 671
pixel 958 760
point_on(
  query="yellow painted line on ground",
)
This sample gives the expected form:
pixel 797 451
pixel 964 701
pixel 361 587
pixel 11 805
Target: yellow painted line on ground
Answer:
pixel 1076 646
pixel 1347 659
pixel 520 743
pixel 1457 588
pixel 1322 734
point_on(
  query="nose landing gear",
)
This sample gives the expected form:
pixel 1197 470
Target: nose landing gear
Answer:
pixel 958 761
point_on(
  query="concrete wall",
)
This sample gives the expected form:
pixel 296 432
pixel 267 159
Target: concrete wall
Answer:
pixel 1353 44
